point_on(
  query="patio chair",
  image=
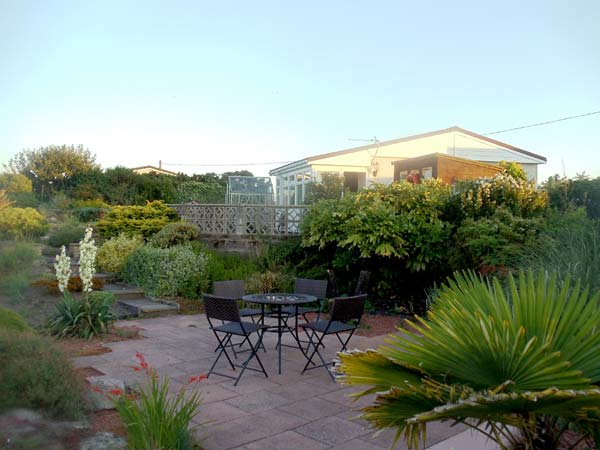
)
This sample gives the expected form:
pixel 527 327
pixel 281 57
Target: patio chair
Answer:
pixel 318 288
pixel 235 289
pixel 346 313
pixel 227 311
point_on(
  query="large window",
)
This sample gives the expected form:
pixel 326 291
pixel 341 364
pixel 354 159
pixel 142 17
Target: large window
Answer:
pixel 292 187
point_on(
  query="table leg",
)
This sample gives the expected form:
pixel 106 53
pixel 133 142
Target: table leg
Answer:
pixel 279 333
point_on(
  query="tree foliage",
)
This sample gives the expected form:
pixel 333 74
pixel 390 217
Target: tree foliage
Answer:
pixel 50 167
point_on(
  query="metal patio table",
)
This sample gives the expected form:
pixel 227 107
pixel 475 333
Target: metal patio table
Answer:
pixel 278 301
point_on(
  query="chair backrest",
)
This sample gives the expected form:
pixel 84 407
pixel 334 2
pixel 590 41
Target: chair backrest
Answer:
pixel 221 308
pixel 362 285
pixel 318 288
pixel 231 289
pixel 348 309
pixel 332 288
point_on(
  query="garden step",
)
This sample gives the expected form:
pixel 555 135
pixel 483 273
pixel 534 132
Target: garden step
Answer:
pixel 145 307
pixel 124 291
pixel 106 277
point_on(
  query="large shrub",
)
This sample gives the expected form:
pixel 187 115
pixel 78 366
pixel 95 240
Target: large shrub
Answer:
pixel 525 359
pixel 113 253
pixel 175 233
pixel 201 192
pixel 21 223
pixel 167 271
pixel 136 220
pixel 35 374
pixel 65 234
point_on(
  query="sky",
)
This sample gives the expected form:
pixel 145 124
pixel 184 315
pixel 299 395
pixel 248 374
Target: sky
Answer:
pixel 198 84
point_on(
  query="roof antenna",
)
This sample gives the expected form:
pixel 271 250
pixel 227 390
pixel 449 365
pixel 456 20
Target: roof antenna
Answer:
pixel 374 164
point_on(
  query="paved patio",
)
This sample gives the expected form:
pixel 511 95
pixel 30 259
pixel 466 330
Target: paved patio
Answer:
pixel 288 411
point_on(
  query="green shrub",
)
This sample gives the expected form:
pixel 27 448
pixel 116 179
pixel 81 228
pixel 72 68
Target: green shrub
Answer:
pixel 175 233
pixel 35 374
pixel 86 317
pixel 201 192
pixel 167 272
pixel 498 241
pixel 16 264
pixel 66 234
pixel 113 253
pixel 265 282
pixel 10 320
pixel 223 266
pixel 21 223
pixel 136 220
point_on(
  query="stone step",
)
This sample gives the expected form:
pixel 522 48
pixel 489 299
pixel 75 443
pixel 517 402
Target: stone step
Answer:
pixel 123 291
pixel 146 307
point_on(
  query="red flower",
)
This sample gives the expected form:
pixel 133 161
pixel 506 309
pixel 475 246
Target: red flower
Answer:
pixel 198 378
pixel 116 391
pixel 96 389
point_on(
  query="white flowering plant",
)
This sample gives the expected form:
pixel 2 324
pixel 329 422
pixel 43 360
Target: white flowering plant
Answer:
pixel 87 260
pixel 91 315
pixel 62 266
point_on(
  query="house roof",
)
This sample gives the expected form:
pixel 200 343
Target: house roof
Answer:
pixel 154 169
pixel 310 159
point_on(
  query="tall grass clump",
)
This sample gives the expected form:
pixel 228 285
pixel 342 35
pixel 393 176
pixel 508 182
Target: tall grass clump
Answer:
pixel 570 247
pixel 16 262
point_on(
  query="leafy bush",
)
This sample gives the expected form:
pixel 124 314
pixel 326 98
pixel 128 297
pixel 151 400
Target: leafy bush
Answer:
pixel 498 241
pixel 175 233
pixel 16 264
pixel 167 271
pixel 65 234
pixel 11 321
pixel 201 192
pixel 136 220
pixel 86 317
pixel 480 198
pixel 35 374
pixel 157 419
pixel 524 357
pixel 264 282
pixel 567 194
pixel 21 223
pixel 5 202
pixel 222 266
pixel 113 253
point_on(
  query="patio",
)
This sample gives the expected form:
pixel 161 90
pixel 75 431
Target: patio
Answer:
pixel 287 411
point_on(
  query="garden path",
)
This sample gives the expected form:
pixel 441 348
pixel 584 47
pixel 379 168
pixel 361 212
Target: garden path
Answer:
pixel 287 411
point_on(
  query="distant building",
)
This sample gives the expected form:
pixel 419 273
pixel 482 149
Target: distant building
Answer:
pixel 376 163
pixel 151 169
pixel 447 168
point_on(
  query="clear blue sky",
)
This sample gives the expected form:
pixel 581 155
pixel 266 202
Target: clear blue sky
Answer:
pixel 199 82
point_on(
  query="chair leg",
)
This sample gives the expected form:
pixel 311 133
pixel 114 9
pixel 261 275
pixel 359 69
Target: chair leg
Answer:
pixel 223 345
pixel 315 351
pixel 253 354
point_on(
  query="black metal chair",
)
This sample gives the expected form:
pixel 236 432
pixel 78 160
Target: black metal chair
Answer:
pixel 346 313
pixel 317 288
pixel 235 289
pixel 227 311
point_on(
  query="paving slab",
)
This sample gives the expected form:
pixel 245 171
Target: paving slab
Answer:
pixel 291 410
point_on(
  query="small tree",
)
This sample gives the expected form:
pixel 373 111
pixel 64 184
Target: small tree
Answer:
pixel 331 187
pixel 50 167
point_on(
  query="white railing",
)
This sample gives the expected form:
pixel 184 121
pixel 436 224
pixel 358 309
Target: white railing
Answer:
pixel 269 220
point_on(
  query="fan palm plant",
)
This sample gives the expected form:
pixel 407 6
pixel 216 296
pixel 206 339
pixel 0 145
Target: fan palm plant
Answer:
pixel 520 364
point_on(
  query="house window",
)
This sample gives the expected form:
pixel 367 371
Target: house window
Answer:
pixel 427 173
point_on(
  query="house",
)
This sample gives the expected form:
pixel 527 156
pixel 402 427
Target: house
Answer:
pixel 151 169
pixel 447 168
pixel 374 163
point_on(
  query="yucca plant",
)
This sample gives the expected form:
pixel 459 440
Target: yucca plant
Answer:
pixel 520 364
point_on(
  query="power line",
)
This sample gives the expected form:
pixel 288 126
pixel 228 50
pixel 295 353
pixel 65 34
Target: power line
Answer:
pixel 225 165
pixel 543 123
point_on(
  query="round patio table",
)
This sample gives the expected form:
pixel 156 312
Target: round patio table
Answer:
pixel 278 301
